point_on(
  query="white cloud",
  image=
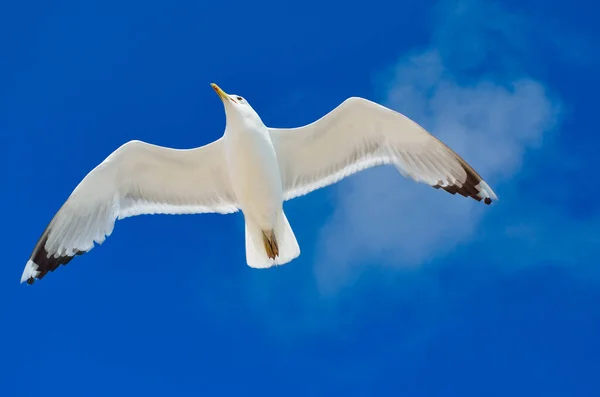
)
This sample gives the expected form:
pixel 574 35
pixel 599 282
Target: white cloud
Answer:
pixel 465 91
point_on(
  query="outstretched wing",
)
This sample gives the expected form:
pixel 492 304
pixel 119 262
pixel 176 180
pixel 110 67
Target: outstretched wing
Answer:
pixel 360 134
pixel 137 178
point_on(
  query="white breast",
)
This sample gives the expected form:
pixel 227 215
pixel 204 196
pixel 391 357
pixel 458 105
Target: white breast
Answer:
pixel 254 172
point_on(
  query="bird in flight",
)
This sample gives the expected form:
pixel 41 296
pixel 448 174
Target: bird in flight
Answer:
pixel 252 168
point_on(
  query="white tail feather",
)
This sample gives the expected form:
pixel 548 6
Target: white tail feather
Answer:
pixel 256 254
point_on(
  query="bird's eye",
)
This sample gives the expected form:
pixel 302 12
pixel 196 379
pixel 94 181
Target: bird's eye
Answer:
pixel 239 98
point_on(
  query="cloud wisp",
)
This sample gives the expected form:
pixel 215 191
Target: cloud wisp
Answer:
pixel 467 89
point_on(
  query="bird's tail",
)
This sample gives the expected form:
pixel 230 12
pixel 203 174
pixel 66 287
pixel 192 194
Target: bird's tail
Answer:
pixel 266 248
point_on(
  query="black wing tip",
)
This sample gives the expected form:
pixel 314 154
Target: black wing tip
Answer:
pixel 44 262
pixel 474 186
pixel 46 265
pixel 466 190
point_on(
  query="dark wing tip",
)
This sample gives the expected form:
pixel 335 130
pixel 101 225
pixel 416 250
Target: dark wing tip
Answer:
pixel 474 186
pixel 47 263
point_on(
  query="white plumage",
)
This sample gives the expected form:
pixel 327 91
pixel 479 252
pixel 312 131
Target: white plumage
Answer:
pixel 252 168
pixel 360 134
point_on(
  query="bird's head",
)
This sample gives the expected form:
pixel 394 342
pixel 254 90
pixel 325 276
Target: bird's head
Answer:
pixel 236 107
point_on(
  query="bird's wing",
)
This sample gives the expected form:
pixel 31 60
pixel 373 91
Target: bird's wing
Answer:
pixel 137 178
pixel 360 134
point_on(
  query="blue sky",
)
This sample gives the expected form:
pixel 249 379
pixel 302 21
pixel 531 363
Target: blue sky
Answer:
pixel 400 289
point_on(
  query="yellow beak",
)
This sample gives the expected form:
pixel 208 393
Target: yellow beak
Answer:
pixel 219 91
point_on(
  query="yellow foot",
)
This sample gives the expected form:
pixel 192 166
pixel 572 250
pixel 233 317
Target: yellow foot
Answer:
pixel 271 244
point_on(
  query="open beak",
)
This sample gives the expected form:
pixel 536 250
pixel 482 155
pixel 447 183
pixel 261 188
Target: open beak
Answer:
pixel 219 91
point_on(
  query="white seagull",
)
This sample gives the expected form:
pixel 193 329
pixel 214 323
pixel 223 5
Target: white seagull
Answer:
pixel 252 168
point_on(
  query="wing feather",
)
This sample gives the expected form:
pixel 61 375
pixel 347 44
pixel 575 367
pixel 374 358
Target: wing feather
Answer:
pixel 361 134
pixel 137 178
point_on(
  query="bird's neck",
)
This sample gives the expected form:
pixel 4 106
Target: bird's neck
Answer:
pixel 240 126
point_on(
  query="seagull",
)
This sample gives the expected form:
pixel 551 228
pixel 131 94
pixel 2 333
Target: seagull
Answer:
pixel 252 168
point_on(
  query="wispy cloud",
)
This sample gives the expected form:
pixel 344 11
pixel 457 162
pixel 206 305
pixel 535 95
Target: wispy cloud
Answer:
pixel 468 89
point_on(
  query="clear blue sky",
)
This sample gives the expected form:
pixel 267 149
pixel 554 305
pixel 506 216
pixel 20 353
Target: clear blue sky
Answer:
pixel 400 290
